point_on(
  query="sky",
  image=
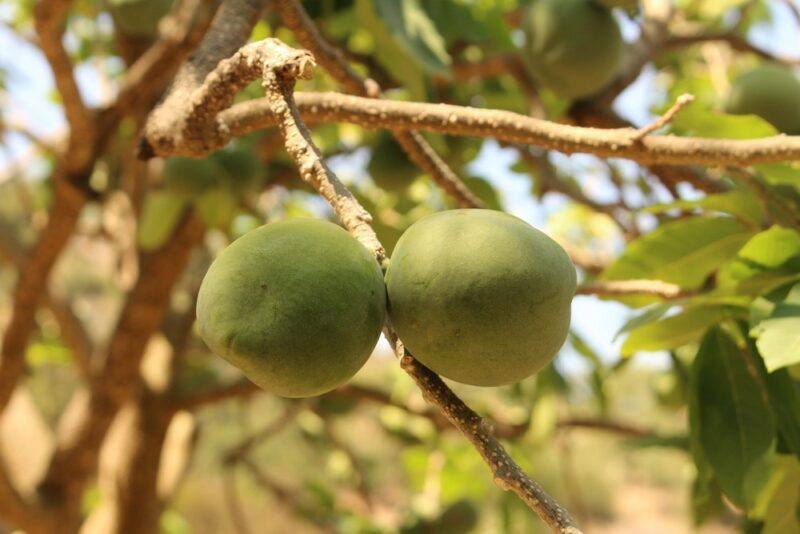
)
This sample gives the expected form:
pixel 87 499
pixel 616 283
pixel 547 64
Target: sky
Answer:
pixel 29 101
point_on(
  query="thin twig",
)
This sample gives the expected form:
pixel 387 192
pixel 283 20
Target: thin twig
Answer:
pixel 234 502
pixel 507 474
pixel 615 288
pixel 666 118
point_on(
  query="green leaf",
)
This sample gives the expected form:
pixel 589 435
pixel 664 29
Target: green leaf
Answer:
pixel 778 336
pixel 779 501
pixel 674 331
pixel 396 59
pixel 741 203
pixel 411 30
pixel 697 120
pixel 780 173
pixel 651 314
pixel 161 213
pixel 474 22
pixel 784 396
pixel 682 252
pixel 733 420
pixel 773 247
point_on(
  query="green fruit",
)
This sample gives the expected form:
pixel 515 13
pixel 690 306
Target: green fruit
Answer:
pixel 480 296
pixel 773 93
pixel 389 167
pixel 138 17
pixel 191 177
pixel 296 305
pixel 574 47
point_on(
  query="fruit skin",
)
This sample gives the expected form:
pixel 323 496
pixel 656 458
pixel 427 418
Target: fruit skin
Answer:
pixel 389 166
pixel 770 91
pixel 139 17
pixel 480 296
pixel 574 47
pixel 297 305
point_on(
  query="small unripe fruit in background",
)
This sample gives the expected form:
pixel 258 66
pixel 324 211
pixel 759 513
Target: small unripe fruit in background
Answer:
pixel 770 91
pixel 573 47
pixel 389 166
pixel 480 296
pixel 297 305
pixel 139 18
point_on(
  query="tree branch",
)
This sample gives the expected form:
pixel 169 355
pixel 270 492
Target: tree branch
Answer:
pixel 617 288
pixel 514 128
pixel 33 281
pixel 49 19
pixel 75 457
pixel 182 29
pixel 507 474
pixel 732 39
pixel 179 121
pixel 417 148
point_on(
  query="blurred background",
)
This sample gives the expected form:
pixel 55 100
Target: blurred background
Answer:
pixel 202 451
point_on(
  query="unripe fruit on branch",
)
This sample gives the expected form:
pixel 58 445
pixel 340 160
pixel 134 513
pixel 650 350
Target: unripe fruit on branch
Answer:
pixel 138 17
pixel 389 166
pixel 297 305
pixel 573 47
pixel 770 91
pixel 480 296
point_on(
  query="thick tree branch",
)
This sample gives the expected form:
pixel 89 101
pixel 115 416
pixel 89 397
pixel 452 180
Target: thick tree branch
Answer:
pixel 49 19
pixel 76 454
pixel 515 128
pixel 33 282
pixel 180 121
pixel 417 148
pixel 182 29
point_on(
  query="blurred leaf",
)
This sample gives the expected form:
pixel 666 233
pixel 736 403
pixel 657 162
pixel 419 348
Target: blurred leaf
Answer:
pixel 778 336
pixel 393 57
pixel 734 422
pixel 674 331
pixel 706 498
pixel 780 174
pixel 161 213
pixel 41 353
pixel 696 120
pixel 778 503
pixel 784 396
pixel 649 315
pixel 682 252
pixel 459 476
pixel 470 21
pixel 598 369
pixel 773 247
pixel 739 202
pixel 413 30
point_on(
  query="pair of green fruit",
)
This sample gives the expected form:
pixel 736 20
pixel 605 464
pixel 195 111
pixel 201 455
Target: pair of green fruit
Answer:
pixel 478 296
